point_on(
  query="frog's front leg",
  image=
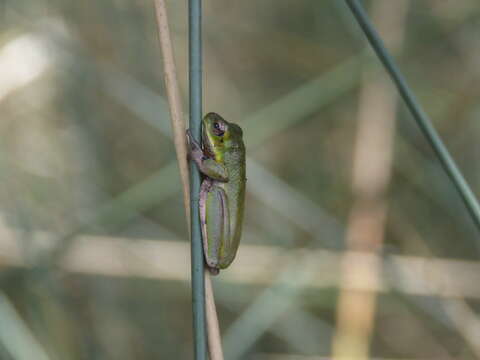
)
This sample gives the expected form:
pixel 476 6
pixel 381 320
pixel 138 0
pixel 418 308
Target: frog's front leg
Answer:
pixel 206 164
pixel 215 221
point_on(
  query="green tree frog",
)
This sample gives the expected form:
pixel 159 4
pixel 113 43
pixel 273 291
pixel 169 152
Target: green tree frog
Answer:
pixel 221 160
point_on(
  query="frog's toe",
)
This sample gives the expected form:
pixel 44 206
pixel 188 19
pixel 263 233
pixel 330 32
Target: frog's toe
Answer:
pixel 214 270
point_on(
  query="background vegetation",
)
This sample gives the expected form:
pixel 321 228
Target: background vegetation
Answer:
pixel 93 250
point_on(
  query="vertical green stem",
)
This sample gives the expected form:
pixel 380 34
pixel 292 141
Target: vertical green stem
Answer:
pixel 195 83
pixel 417 112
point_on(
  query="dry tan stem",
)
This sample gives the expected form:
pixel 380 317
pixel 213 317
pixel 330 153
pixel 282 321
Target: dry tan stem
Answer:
pixel 371 175
pixel 214 337
pixel 178 125
pixel 174 100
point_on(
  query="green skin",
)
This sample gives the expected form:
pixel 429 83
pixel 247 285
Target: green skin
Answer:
pixel 222 193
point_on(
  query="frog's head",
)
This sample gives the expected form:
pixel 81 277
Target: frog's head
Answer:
pixel 219 135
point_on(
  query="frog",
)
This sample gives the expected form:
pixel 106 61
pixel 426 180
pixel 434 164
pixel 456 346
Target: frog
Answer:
pixel 221 161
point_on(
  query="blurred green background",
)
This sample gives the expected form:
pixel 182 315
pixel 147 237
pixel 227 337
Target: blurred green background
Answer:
pixel 93 241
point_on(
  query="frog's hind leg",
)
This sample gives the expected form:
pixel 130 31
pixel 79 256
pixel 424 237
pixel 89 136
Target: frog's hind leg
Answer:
pixel 214 221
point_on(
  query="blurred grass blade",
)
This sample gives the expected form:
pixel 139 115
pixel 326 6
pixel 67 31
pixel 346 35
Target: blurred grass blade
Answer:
pixel 294 205
pixel 15 336
pixel 302 101
pixel 417 112
pixel 268 306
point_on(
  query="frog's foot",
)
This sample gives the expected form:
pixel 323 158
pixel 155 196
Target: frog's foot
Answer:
pixel 213 271
pixel 194 149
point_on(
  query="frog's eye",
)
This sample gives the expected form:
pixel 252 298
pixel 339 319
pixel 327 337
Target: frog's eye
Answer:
pixel 218 128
